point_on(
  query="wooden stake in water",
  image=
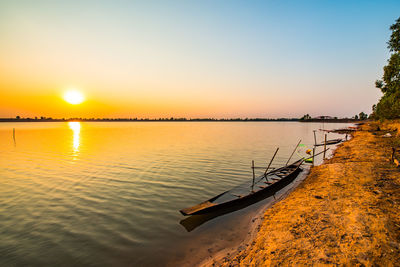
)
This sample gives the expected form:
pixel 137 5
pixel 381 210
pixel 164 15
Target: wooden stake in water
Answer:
pixel 313 155
pixel 324 146
pixel 269 165
pixel 254 175
pixel 293 152
pixel 14 135
pixel 315 139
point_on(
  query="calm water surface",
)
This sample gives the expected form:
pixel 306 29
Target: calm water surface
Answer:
pixel 108 193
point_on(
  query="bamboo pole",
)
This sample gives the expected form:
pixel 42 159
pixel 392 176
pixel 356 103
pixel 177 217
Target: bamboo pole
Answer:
pixel 313 156
pixel 14 135
pixel 252 166
pixel 265 173
pixel 293 152
pixel 315 139
pixel 324 147
pixel 317 154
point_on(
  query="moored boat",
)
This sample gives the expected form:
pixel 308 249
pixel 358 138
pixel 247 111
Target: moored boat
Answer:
pixel 268 183
pixel 330 142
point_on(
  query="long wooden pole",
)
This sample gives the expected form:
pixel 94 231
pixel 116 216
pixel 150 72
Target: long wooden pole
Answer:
pixel 316 154
pixel 315 144
pixel 313 156
pixel 252 166
pixel 293 152
pixel 315 139
pixel 265 173
pixel 324 146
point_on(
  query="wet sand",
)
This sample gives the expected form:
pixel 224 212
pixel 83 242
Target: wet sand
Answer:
pixel 345 212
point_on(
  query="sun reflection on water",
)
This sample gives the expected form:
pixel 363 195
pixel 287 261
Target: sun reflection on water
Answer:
pixel 75 126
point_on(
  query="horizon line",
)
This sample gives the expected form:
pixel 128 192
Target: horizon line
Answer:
pixel 49 119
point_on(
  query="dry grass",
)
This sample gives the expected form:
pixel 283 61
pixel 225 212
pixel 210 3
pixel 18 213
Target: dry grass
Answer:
pixel 347 212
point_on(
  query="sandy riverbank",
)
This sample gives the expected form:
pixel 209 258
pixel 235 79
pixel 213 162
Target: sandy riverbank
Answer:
pixel 345 212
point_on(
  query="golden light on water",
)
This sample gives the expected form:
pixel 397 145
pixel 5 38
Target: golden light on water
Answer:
pixel 75 126
pixel 74 97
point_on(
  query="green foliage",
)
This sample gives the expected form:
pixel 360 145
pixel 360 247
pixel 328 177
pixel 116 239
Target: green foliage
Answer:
pixel 394 41
pixel 388 106
pixel 390 82
pixel 363 116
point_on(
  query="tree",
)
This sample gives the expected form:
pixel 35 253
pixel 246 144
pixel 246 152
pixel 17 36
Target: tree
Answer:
pixel 306 117
pixel 388 106
pixel 363 116
pixel 394 41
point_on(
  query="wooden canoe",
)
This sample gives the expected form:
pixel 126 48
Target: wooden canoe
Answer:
pixel 330 142
pixel 264 184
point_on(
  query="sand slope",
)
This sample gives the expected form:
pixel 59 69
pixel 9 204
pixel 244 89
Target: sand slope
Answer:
pixel 346 212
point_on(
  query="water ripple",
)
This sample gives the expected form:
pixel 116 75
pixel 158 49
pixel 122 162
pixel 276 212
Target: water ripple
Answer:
pixel 115 201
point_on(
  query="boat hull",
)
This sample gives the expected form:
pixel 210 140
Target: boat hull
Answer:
pixel 210 207
pixel 330 142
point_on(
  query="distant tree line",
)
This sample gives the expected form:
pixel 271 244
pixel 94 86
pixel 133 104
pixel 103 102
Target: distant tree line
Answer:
pixel 305 118
pixel 388 106
pixel 19 118
pixel 360 116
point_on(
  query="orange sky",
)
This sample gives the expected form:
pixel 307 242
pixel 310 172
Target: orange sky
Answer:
pixel 191 60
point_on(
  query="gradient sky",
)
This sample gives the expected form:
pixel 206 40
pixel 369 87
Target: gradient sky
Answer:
pixel 193 58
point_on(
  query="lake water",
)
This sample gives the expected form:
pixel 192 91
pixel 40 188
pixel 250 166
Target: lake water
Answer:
pixel 108 193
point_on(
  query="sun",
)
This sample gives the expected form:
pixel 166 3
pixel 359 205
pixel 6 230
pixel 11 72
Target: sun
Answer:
pixel 74 97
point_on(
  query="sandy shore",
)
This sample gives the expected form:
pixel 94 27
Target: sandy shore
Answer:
pixel 347 211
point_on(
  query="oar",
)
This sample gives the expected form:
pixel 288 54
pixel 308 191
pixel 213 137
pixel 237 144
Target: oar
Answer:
pixel 293 152
pixel 265 173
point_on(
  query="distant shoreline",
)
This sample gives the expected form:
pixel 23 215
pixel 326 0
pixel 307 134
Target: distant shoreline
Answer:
pixel 179 120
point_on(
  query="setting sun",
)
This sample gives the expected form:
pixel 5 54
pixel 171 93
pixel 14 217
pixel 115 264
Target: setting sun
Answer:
pixel 74 97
